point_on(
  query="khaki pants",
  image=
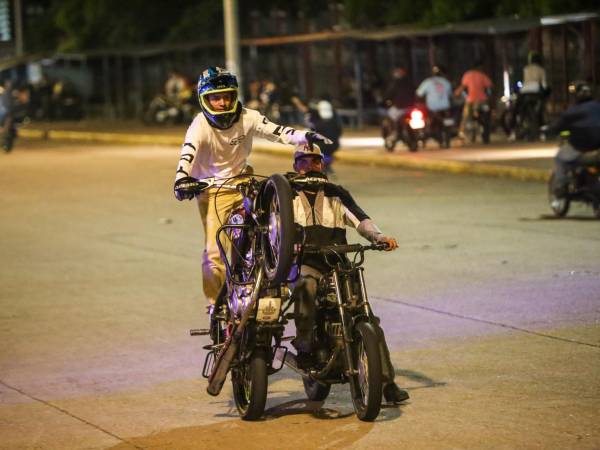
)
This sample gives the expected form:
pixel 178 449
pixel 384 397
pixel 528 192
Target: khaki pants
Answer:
pixel 213 216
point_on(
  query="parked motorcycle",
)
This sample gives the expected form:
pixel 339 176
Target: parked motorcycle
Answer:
pixel 163 110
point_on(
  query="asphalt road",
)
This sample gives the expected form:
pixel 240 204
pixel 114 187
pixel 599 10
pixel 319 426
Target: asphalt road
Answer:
pixel 490 306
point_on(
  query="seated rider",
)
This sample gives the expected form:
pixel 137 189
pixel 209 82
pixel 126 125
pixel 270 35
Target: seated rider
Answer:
pixel 323 210
pixel 581 122
pixel 532 93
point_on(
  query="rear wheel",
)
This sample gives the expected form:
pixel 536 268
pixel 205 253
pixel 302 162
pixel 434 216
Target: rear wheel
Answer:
pixel 367 382
pixel 315 391
pixel 559 204
pixel 250 381
pixel 278 242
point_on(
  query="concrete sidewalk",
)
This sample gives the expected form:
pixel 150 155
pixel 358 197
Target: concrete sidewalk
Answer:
pixel 523 161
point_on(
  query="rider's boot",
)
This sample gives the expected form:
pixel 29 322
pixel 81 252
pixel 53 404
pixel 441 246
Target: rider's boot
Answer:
pixel 215 315
pixel 393 394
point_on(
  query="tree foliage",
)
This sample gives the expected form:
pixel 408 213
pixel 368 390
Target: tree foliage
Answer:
pixel 76 25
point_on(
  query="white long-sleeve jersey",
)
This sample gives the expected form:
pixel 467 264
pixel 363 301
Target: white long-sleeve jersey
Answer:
pixel 212 152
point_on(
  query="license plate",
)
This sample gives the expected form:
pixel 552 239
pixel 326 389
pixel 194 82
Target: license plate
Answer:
pixel 268 309
pixel 448 122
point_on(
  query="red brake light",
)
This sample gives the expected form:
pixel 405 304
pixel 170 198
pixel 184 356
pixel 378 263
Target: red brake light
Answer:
pixel 416 114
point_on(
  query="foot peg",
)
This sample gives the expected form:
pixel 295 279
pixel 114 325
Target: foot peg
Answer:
pixel 199 332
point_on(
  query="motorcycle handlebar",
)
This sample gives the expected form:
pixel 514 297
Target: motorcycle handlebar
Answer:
pixel 347 248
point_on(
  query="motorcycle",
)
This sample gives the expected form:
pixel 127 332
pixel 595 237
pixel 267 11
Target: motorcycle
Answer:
pixel 408 126
pixel 478 123
pixel 441 127
pixel 163 110
pixel 248 314
pixel 346 342
pixel 527 123
pixel 247 328
pixel 583 185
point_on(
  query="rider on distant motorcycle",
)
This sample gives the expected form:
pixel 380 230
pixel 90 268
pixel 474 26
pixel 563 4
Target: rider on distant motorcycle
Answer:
pixel 582 122
pixel 323 210
pixel 532 94
pixel 437 91
pixel 400 95
pixel 478 87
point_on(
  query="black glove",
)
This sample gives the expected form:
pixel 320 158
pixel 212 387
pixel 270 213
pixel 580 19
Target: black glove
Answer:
pixel 316 138
pixel 186 188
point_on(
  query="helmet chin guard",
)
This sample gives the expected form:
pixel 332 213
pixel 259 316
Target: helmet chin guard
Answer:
pixel 215 80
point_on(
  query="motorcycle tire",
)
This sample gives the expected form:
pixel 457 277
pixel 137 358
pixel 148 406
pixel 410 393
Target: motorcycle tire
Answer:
pixel 278 242
pixel 596 209
pixel 445 141
pixel 315 391
pixel 559 205
pixel 389 142
pixel 368 381
pixel 249 380
pixel 413 145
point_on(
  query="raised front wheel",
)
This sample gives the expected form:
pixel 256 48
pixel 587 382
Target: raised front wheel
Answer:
pixel 278 241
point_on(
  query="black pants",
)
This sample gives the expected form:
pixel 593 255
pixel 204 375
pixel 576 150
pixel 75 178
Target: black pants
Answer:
pixel 305 294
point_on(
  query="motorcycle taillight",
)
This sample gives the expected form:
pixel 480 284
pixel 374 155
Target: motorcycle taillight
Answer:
pixel 416 114
pixel 416 119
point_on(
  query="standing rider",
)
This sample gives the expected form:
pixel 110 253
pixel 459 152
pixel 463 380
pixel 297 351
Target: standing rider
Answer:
pixel 323 210
pixel 217 144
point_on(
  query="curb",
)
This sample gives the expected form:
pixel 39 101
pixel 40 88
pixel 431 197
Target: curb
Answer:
pixel 264 147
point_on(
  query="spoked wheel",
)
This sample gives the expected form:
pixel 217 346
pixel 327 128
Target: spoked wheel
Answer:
pixel 249 381
pixel 559 205
pixel 278 242
pixel 315 391
pixel 367 381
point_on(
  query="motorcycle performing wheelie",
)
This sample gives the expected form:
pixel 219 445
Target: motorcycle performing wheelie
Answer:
pixel 248 326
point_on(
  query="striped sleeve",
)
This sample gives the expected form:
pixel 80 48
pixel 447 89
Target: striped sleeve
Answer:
pixel 188 152
pixel 277 133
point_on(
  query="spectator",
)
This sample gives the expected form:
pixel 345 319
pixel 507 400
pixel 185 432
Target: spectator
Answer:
pixel 322 117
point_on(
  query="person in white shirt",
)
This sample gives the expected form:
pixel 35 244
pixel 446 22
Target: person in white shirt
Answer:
pixel 217 144
pixel 532 93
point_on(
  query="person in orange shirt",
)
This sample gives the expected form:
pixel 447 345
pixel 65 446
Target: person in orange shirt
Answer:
pixel 478 87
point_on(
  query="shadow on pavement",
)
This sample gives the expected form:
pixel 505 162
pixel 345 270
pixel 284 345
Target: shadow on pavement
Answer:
pixel 542 217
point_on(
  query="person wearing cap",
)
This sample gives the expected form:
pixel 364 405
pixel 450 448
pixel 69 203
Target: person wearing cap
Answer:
pixel 323 210
pixel 321 116
pixel 217 144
